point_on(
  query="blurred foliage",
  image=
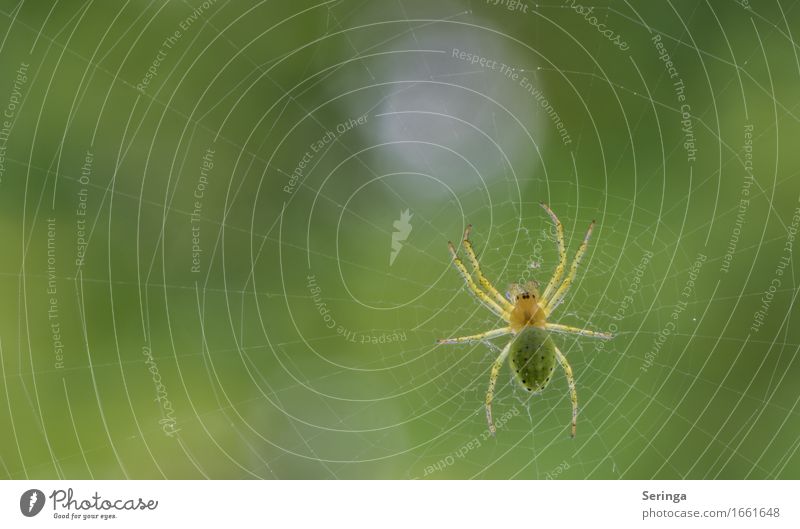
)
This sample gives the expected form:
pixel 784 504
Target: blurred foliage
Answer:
pixel 272 147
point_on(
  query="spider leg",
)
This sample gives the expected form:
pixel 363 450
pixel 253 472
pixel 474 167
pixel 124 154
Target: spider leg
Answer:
pixel 566 329
pixel 498 363
pixel 480 294
pixel 477 337
pixel 571 380
pixel 558 297
pixel 487 285
pixel 562 254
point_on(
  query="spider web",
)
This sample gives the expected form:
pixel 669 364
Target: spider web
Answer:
pixel 343 133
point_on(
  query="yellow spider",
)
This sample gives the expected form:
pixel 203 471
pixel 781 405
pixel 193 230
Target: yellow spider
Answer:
pixel 533 353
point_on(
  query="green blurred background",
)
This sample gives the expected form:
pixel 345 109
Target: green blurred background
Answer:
pixel 236 171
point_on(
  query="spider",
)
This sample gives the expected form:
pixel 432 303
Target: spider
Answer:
pixel 531 351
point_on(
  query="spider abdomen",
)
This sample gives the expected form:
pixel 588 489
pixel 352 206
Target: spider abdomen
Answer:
pixel 532 357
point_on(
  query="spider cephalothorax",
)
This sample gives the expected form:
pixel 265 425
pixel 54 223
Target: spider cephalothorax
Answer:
pixel 527 311
pixel 531 351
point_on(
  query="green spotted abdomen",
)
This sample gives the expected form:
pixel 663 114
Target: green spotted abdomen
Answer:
pixel 533 358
